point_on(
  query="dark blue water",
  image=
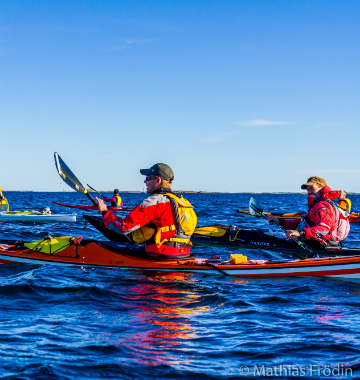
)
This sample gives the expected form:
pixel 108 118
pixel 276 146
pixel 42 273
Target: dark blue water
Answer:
pixel 70 323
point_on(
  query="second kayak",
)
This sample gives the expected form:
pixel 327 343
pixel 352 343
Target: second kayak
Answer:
pixel 354 217
pixel 231 236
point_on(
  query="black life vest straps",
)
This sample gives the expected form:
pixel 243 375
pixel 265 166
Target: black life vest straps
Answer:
pixel 179 230
pixel 308 221
pixel 174 209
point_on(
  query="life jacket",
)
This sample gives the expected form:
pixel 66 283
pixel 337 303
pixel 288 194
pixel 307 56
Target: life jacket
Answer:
pixel 4 204
pixel 342 225
pixel 345 205
pixel 185 221
pixel 118 202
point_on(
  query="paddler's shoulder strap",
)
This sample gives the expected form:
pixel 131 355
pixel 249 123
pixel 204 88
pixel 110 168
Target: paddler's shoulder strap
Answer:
pixel 344 206
pixel 323 200
pixel 332 204
pixel 336 207
pixel 179 200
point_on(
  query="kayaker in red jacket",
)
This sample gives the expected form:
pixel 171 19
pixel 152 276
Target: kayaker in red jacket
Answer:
pixel 320 226
pixel 164 221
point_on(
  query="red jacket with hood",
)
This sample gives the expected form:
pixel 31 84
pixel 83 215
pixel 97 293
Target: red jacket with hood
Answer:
pixel 155 211
pixel 322 214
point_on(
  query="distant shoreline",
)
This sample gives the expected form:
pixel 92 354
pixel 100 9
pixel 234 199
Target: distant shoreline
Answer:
pixel 176 191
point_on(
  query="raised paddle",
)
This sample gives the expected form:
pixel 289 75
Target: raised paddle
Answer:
pixel 256 210
pixel 70 178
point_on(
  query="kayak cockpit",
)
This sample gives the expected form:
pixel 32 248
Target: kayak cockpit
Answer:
pixel 139 252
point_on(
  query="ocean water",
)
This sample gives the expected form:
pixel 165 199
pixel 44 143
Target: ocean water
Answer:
pixel 71 323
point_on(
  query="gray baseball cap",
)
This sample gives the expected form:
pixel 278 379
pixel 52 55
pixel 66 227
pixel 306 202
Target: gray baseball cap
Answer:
pixel 160 170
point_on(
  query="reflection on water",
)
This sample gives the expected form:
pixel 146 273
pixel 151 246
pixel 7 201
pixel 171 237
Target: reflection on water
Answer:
pixel 165 315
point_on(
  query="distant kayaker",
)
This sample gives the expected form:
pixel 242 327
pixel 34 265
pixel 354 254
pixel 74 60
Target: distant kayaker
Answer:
pixel 325 222
pixel 115 200
pixel 4 204
pixel 164 221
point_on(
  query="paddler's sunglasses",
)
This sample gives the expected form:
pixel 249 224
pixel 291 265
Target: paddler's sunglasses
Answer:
pixel 150 178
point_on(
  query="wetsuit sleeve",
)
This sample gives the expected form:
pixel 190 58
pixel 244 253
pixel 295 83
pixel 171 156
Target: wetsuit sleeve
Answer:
pixel 137 218
pixel 289 224
pixel 113 199
pixel 323 216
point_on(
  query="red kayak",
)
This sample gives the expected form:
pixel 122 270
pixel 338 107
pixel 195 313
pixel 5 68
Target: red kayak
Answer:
pixel 66 251
pixel 91 207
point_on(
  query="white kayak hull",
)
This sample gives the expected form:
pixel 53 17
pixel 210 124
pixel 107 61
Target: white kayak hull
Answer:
pixel 29 217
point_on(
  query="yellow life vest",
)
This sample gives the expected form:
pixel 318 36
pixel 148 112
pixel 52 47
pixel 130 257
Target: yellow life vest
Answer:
pixel 118 201
pixel 345 205
pixel 185 221
pixel 4 205
pixel 143 234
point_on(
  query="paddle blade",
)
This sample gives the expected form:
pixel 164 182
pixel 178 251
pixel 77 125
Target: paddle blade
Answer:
pixel 67 175
pixel 254 208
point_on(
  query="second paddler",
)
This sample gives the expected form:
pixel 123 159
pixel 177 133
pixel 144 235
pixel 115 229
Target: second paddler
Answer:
pixel 325 223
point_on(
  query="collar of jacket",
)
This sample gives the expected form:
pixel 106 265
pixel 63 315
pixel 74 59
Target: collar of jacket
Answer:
pixel 163 190
pixel 325 190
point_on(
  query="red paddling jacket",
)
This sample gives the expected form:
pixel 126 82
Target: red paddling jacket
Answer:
pixel 321 221
pixel 156 223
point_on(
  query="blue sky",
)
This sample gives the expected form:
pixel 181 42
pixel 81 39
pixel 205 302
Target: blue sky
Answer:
pixel 235 96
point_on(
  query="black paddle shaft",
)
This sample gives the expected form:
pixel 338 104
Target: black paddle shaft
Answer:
pixel 254 206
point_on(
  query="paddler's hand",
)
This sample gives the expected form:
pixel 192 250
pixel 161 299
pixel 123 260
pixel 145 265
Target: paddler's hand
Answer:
pixel 292 234
pixel 102 206
pixel 273 219
pixel 342 194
